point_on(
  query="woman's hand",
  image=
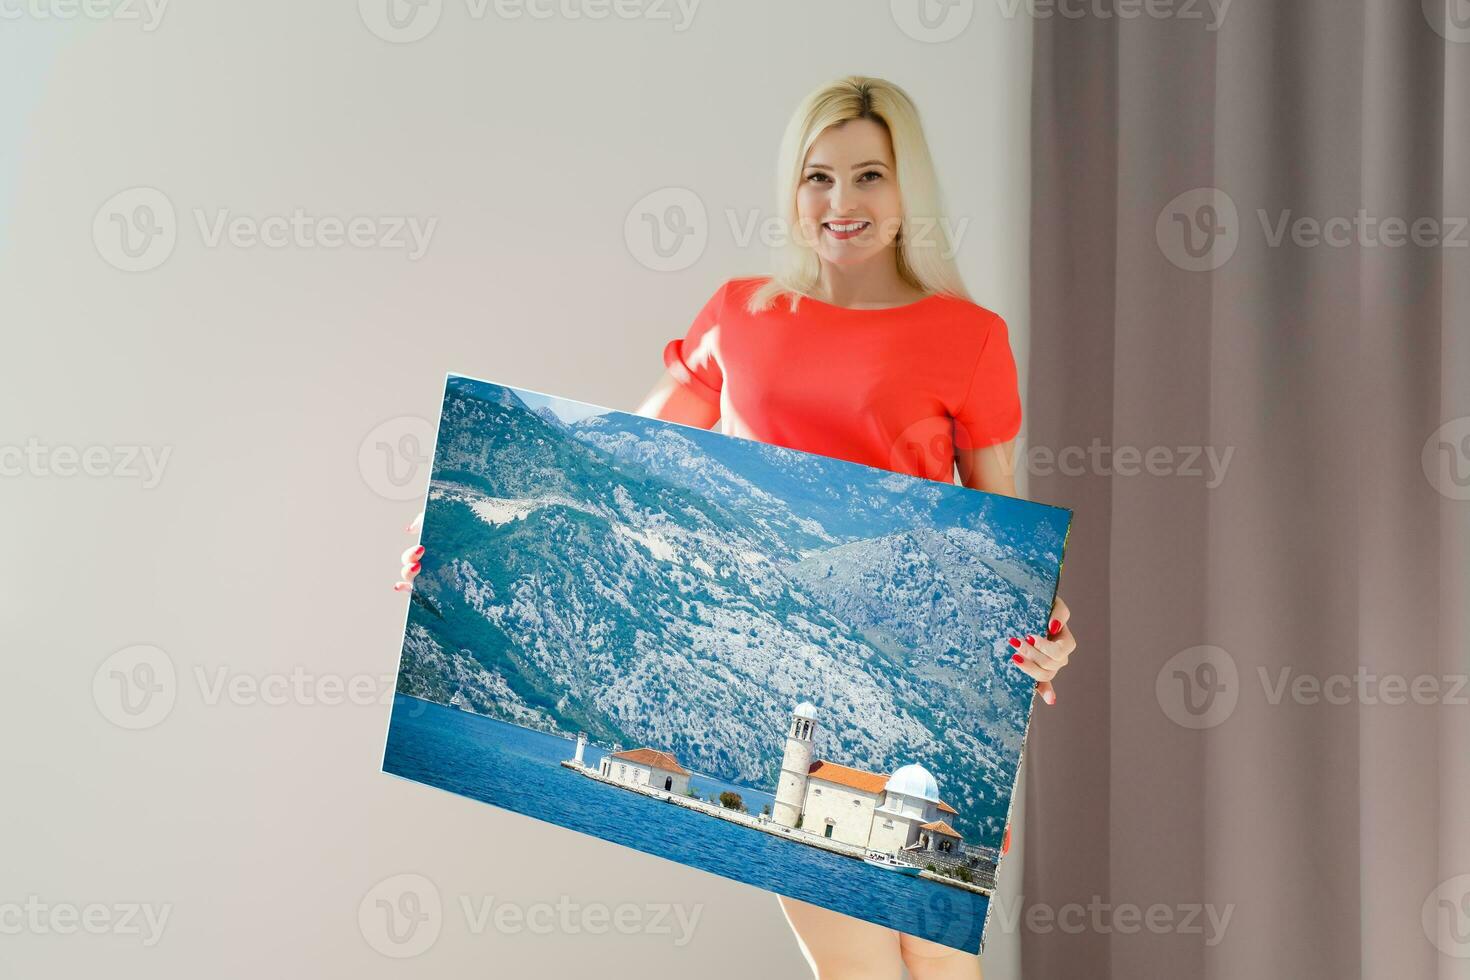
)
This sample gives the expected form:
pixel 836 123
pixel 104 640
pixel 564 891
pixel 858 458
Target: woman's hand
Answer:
pixel 410 558
pixel 1043 656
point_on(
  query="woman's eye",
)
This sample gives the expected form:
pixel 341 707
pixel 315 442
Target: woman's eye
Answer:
pixel 870 173
pixel 818 177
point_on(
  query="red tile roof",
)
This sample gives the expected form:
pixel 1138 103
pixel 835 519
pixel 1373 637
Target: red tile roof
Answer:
pixel 940 827
pixel 652 758
pixel 946 808
pixel 859 779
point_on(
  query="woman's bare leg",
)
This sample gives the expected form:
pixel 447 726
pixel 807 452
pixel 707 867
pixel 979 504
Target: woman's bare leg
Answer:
pixel 931 961
pixel 839 947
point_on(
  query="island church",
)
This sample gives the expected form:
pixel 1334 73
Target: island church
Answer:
pixel 901 812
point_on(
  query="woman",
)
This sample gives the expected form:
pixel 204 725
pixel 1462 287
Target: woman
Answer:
pixel 862 345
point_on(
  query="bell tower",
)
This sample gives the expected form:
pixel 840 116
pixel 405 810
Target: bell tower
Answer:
pixel 795 764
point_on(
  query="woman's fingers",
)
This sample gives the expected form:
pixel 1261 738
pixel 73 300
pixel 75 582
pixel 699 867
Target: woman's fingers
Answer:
pixel 1059 615
pixel 1024 657
pixel 1042 656
pixel 1045 652
pixel 410 558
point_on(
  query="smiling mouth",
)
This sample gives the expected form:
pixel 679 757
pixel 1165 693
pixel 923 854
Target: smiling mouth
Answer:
pixel 845 229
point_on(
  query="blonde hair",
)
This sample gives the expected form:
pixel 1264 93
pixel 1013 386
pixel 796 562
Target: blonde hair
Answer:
pixel 930 266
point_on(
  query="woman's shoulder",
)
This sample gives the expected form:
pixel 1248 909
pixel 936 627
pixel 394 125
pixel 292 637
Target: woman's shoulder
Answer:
pixel 740 289
pixel 963 322
pixel 730 299
pixel 967 310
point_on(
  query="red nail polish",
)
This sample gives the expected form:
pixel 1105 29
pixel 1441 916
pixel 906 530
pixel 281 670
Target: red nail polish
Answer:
pixel 418 552
pixel 1055 627
pixel 1031 639
pixel 1017 658
pixel 1015 643
pixel 415 566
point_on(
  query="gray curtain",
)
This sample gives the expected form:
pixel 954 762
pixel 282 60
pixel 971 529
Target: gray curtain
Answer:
pixel 1188 761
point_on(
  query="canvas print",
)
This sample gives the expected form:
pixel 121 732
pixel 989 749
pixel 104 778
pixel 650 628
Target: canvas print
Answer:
pixel 775 666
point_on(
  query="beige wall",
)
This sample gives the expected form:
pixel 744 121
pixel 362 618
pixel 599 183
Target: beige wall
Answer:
pixel 270 375
pixel 891 833
pixel 850 810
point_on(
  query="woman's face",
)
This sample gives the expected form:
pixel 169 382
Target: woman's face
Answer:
pixel 848 204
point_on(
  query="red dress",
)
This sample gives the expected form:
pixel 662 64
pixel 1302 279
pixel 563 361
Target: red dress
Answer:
pixel 895 388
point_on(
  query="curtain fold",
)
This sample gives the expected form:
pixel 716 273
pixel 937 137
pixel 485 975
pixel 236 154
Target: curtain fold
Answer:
pixel 1251 337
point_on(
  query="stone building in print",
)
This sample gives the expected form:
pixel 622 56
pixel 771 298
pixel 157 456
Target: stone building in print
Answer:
pixel 893 813
pixel 645 767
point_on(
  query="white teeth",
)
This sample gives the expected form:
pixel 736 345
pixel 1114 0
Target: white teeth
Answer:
pixel 849 226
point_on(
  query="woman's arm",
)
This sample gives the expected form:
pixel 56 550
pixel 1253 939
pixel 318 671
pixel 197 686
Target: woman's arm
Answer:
pixel 673 402
pixel 992 469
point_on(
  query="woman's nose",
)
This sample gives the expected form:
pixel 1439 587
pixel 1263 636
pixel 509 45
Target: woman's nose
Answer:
pixel 841 198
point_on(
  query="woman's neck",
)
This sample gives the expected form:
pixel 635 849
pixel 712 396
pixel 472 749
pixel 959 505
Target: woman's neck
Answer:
pixel 870 285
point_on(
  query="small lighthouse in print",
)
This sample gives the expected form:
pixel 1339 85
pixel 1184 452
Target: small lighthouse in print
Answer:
pixel 581 749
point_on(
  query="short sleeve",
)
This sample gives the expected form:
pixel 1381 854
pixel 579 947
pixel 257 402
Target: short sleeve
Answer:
pixel 990 411
pixel 691 359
